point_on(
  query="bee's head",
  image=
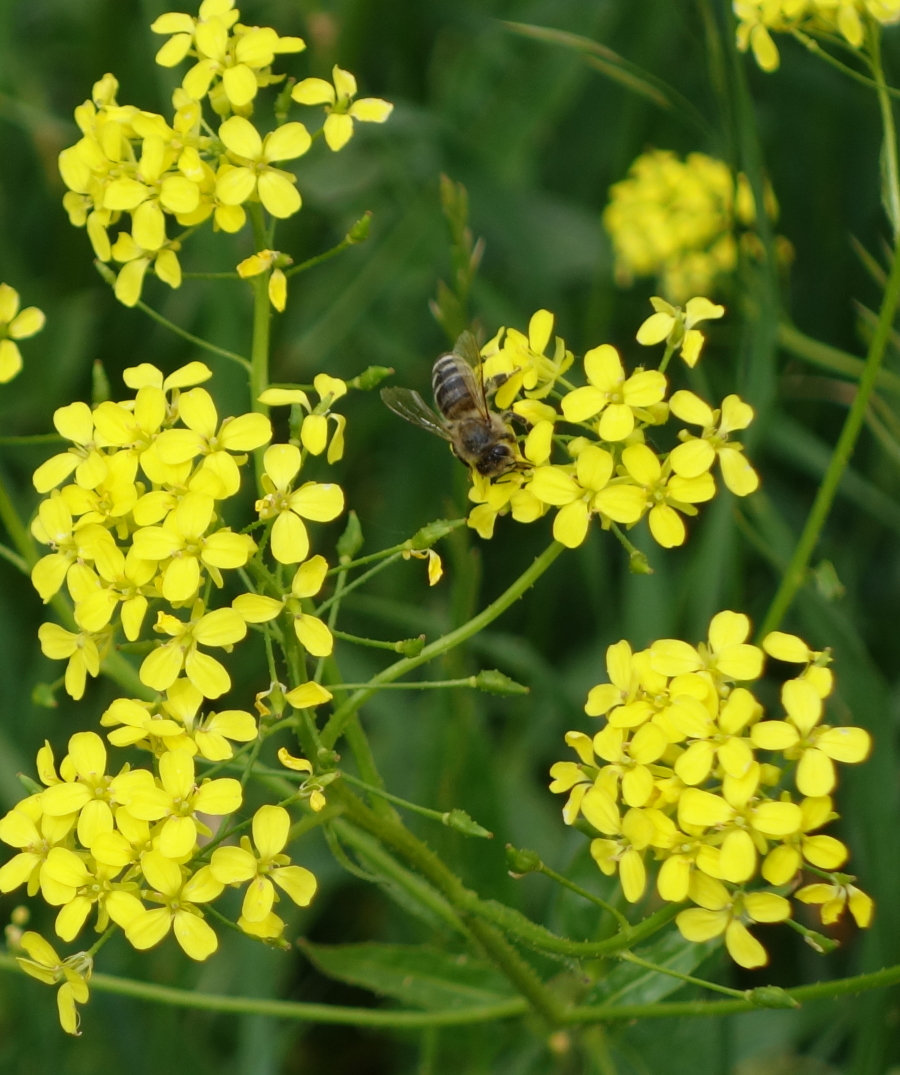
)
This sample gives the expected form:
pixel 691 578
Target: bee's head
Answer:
pixel 497 460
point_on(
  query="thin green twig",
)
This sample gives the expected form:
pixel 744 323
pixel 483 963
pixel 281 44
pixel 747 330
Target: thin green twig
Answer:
pixel 525 581
pixel 795 575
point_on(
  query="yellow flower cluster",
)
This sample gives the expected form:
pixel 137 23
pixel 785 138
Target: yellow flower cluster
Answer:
pixel 686 767
pixel 675 220
pixel 15 324
pixel 611 472
pixel 141 525
pixel 113 843
pixel 134 162
pixel 758 18
pixel 142 522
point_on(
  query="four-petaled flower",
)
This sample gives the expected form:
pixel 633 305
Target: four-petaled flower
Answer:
pixel 252 171
pixel 15 324
pixel 339 104
pixel 179 895
pixel 611 395
pixel 236 865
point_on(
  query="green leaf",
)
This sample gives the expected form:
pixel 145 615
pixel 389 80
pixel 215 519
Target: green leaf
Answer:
pixel 420 976
pixel 618 69
pixel 628 984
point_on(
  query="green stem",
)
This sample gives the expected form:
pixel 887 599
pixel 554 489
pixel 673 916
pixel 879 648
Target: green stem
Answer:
pixel 371 643
pixel 319 258
pixel 583 892
pixel 335 726
pixel 196 340
pixel 816 49
pixel 423 685
pixel 21 538
pixel 667 357
pixel 287 1009
pixel 371 558
pixel 839 987
pixel 830 358
pixel 394 834
pixel 445 817
pixel 630 957
pixel 16 560
pixel 796 573
pixel 33 438
pixel 262 319
pixel 357 582
pixel 210 276
pixel 101 940
pixel 372 852
pixel 889 149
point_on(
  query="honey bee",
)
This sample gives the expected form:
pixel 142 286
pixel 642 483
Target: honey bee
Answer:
pixel 479 437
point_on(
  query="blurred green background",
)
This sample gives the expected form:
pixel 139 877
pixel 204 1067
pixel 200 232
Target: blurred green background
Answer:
pixel 537 136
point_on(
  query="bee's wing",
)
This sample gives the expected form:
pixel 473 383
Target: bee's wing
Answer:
pixel 466 348
pixel 413 408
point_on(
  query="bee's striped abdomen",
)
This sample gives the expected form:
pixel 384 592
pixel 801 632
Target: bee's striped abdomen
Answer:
pixel 452 387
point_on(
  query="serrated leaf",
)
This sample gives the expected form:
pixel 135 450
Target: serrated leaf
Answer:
pixel 419 976
pixel 629 984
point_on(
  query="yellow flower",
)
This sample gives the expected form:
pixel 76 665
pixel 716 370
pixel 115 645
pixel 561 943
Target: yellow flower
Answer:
pixel 314 431
pixel 237 865
pixel 75 423
pixel 306 696
pixel 834 898
pixel 184 546
pixel 193 373
pixel 241 61
pixel 752 31
pixel 34 834
pixel 74 972
pixel 15 325
pixel 130 589
pixel 825 852
pixel 341 110
pixel 179 896
pixel 116 901
pixel 435 566
pixel 263 262
pixel 80 650
pixel 676 326
pixel 668 493
pixel 624 852
pixel 590 489
pixel 726 654
pixel 723 912
pixel 72 544
pixel 816 746
pixel 521 364
pixel 178 800
pixel 176 724
pixel 86 791
pixel 251 172
pixel 204 436
pixel 695 455
pixel 674 220
pixel 222 627
pixel 137 260
pixel 611 395
pixel 315 501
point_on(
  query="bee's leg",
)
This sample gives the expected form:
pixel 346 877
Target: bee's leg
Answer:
pixel 511 416
pixel 493 383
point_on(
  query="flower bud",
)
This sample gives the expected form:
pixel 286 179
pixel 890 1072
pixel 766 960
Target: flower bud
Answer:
pixel 522 861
